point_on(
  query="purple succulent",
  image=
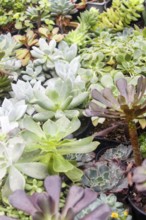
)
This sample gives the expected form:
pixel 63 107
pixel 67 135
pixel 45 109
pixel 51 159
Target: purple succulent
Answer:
pixel 45 206
pixel 139 177
pixel 128 105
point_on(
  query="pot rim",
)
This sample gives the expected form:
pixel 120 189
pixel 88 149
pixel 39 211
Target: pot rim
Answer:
pixel 135 207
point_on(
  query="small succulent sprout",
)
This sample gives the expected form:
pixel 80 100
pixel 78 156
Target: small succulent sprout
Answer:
pixel 121 152
pixel 139 177
pixel 105 177
pixel 34 73
pixel 128 105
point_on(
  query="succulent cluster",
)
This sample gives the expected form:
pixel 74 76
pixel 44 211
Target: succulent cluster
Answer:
pixel 46 204
pixel 121 14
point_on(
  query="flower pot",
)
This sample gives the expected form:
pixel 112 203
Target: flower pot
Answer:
pixel 136 212
pixel 105 144
pixel 84 128
pixel 101 6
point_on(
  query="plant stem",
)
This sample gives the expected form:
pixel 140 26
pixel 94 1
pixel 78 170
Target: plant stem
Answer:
pixel 134 141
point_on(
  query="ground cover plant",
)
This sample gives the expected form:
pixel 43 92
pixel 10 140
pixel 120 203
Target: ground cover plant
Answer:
pixel 67 76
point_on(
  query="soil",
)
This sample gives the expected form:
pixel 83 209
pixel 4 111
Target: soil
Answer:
pixel 139 200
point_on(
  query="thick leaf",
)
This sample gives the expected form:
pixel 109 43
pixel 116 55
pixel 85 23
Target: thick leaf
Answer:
pixel 78 100
pixel 74 196
pixel 19 182
pixel 53 187
pixel 101 212
pixel 32 126
pixel 60 164
pixel 75 174
pixel 20 200
pixel 34 169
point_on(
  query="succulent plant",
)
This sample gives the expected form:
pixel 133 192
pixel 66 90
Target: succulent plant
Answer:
pixel 81 159
pixel 33 74
pixel 13 109
pixel 35 13
pixel 139 177
pixel 62 11
pixel 11 150
pixel 52 144
pixel 38 205
pixel 5 85
pixel 121 152
pixel 48 54
pixel 51 35
pixel 121 14
pixel 7 44
pixel 129 105
pixel 58 99
pixel 28 41
pixel 105 177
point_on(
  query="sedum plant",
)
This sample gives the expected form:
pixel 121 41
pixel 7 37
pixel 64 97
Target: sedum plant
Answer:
pixel 46 204
pixel 35 13
pixel 104 177
pixel 128 105
pixel 60 98
pixel 121 14
pixel 53 144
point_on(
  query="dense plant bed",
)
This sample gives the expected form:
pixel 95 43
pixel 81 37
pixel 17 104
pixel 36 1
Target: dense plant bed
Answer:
pixel 73 107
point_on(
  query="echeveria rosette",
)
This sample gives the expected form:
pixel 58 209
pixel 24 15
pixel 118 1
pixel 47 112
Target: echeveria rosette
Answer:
pixel 12 109
pixel 12 169
pixel 42 206
pixel 60 98
pixel 139 177
pixel 53 144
